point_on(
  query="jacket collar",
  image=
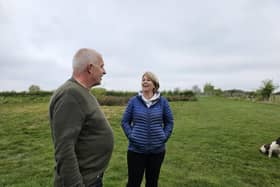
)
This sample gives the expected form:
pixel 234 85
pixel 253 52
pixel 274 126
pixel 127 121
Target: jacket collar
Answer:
pixel 151 101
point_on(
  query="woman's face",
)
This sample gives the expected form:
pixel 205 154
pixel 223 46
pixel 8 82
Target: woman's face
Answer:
pixel 147 84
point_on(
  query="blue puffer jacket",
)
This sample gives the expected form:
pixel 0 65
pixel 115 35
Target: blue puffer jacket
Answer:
pixel 147 129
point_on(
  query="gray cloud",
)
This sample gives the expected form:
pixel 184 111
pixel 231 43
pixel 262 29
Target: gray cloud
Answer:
pixel 231 44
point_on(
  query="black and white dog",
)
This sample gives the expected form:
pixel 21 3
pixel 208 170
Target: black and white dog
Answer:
pixel 271 149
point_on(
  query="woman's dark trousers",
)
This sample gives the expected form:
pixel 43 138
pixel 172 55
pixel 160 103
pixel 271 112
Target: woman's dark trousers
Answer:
pixel 138 164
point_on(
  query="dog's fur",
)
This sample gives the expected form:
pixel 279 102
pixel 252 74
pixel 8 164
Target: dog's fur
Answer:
pixel 271 149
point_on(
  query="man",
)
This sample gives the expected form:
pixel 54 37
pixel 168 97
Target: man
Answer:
pixel 82 137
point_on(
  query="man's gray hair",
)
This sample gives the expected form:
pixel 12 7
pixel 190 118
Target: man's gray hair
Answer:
pixel 82 58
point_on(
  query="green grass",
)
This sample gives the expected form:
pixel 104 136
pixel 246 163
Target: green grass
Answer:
pixel 215 143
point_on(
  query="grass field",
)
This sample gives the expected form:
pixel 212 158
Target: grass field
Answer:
pixel 215 143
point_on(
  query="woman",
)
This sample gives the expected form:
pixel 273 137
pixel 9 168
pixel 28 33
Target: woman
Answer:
pixel 147 122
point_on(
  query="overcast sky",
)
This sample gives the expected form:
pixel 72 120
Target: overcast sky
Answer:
pixel 232 44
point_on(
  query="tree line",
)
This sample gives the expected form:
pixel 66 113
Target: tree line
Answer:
pixel 265 91
pixel 112 97
pixel 105 97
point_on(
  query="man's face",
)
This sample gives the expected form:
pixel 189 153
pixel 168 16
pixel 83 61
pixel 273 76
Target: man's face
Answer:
pixel 97 71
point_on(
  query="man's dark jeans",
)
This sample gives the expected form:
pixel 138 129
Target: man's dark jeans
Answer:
pixel 98 183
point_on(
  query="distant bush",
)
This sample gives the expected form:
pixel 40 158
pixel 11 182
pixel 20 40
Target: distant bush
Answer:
pixel 112 100
pixel 181 98
pixel 26 94
pixel 104 97
pixel 98 91
pixel 121 93
pixel 177 92
pixel 24 97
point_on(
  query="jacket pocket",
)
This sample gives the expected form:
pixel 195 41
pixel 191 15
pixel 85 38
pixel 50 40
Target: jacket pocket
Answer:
pixel 137 140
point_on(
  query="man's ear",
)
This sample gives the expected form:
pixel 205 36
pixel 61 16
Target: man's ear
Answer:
pixel 90 68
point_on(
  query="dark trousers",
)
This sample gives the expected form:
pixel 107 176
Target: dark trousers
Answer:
pixel 138 164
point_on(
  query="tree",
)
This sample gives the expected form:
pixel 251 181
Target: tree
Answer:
pixel 267 89
pixel 176 91
pixel 196 90
pixel 208 89
pixel 218 92
pixel 34 88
